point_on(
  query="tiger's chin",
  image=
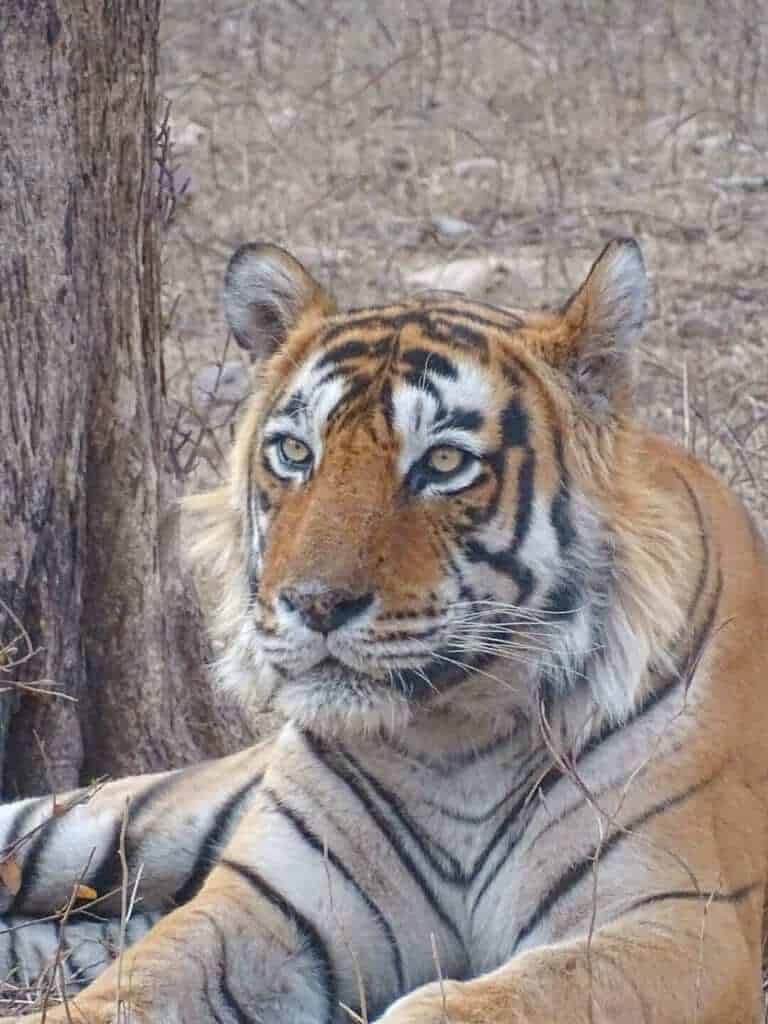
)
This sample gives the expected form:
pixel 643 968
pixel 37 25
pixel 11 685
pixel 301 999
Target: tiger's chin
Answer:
pixel 334 700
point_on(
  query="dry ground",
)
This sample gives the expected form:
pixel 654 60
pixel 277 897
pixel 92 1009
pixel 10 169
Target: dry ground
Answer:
pixel 378 138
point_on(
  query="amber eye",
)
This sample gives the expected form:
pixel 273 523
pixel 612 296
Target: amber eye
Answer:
pixel 445 459
pixel 294 452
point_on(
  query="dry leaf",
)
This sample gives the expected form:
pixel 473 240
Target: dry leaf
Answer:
pixel 85 892
pixel 10 875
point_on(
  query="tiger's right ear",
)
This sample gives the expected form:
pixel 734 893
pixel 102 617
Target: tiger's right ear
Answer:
pixel 266 293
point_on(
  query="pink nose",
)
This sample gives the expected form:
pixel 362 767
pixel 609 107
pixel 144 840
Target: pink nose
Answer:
pixel 322 608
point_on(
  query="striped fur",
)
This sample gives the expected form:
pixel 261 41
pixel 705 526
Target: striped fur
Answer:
pixel 520 644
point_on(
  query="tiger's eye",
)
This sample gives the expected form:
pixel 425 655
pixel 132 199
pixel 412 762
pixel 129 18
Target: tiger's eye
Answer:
pixel 444 459
pixel 294 451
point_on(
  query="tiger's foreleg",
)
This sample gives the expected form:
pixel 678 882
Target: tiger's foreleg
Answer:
pixel 170 826
pixel 238 952
pixel 216 959
pixel 281 932
pixel 71 862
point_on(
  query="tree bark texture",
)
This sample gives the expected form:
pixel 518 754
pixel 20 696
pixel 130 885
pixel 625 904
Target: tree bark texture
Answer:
pixel 85 483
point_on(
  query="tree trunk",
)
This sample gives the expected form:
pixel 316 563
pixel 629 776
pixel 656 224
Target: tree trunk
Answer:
pixel 85 483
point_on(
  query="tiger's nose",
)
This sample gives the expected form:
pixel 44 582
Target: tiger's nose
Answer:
pixel 324 608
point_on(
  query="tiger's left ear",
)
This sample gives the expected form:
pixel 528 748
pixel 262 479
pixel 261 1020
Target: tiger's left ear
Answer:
pixel 267 293
pixel 601 323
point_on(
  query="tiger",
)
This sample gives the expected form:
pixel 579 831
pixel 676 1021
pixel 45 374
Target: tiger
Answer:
pixel 519 643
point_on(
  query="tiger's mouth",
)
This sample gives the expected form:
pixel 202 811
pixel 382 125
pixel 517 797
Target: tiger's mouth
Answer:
pixel 417 684
pixel 334 699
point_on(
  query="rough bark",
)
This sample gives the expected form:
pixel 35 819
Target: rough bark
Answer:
pixel 85 486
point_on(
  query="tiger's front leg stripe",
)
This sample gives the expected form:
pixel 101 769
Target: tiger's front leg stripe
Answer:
pixel 306 929
pixel 216 836
pixel 323 850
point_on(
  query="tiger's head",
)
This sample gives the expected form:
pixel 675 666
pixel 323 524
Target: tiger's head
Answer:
pixel 431 500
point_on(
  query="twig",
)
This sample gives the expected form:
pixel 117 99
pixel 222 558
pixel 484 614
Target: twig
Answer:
pixel 124 903
pixel 60 944
pixel 440 980
pixel 58 810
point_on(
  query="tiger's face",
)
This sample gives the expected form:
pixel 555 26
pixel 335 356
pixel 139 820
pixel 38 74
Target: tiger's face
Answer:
pixel 409 519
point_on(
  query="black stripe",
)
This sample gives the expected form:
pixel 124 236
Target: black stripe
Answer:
pixel 14 963
pixel 108 875
pixel 366 319
pixel 513 425
pixel 484 816
pixel 458 335
pixel 29 868
pixel 208 850
pixel 684 674
pixel 502 831
pixel 232 1003
pixel 506 562
pixel 510 371
pixel 31 861
pixel 387 404
pixel 509 319
pixel 18 825
pixel 442 672
pixel 310 935
pixel 426 361
pixel 204 966
pixel 251 531
pixel 423 383
pixel 341 772
pixel 451 763
pixel 351 349
pixel 345 408
pixel 461 419
pixel 214 1013
pixel 445 865
pixel 339 373
pixel 563 600
pixel 703 895
pixel 295 405
pixel 705 553
pixel 525 495
pixel 576 872
pixel 324 850
pixel 696 651
pixel 560 511
pixel 76 969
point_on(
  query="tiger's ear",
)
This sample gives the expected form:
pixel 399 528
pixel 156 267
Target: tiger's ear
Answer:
pixel 266 293
pixel 602 322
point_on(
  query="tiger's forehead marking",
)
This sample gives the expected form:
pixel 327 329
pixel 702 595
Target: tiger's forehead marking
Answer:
pixel 423 373
pixel 457 323
pixel 434 356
